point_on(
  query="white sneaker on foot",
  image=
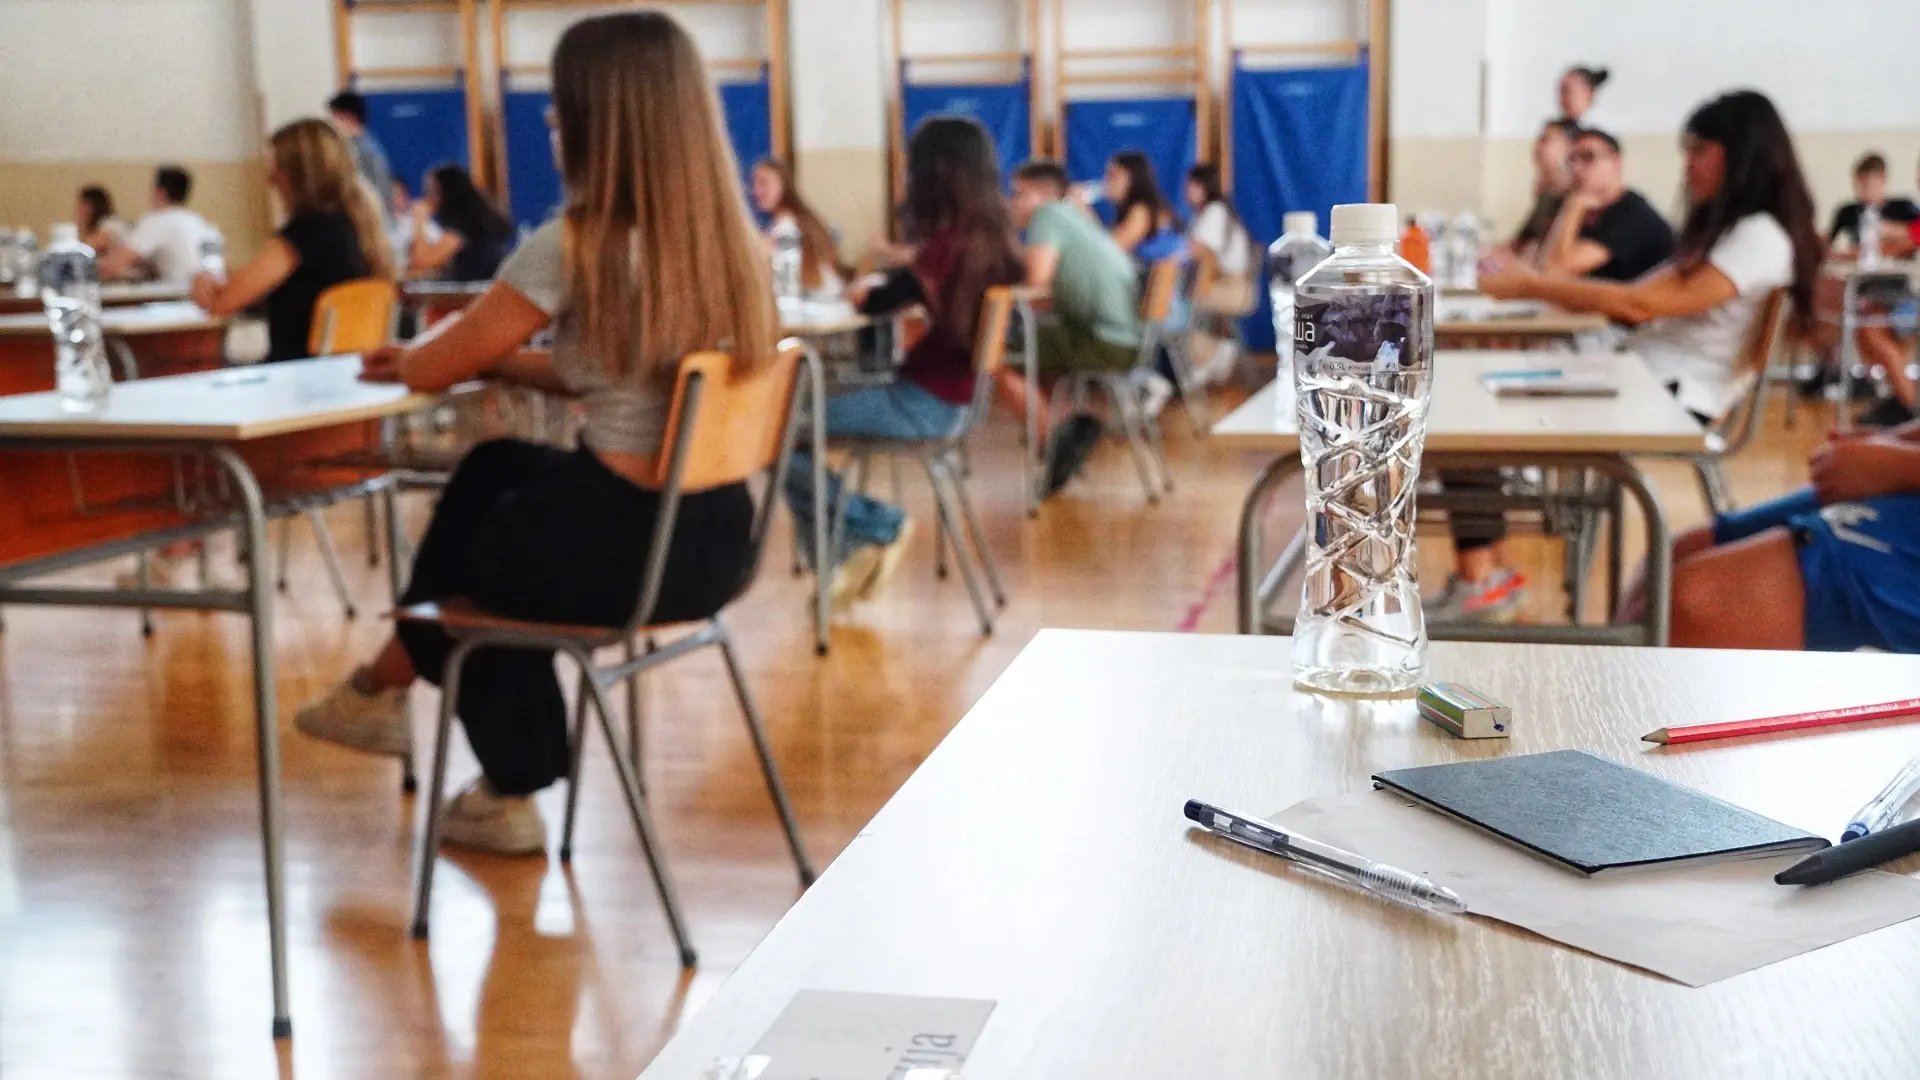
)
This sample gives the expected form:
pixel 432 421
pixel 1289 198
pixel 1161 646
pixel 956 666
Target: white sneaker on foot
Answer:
pixel 888 562
pixel 1155 395
pixel 851 576
pixel 375 723
pixel 479 820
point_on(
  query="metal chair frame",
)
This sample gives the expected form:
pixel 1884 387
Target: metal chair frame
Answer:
pixel 1122 389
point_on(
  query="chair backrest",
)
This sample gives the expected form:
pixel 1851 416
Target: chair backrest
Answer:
pixel 1739 427
pixel 353 316
pixel 725 423
pixel 989 350
pixel 1156 300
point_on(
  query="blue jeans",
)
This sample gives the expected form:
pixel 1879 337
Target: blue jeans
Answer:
pixel 900 410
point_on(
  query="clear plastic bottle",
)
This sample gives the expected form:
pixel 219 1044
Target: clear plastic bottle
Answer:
pixel 1363 366
pixel 1869 249
pixel 1463 237
pixel 787 285
pixel 1298 250
pixel 213 255
pixel 70 289
pixel 26 255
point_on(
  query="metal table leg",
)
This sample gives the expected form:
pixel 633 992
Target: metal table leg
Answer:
pixel 266 723
pixel 1030 472
pixel 1843 418
pixel 822 558
pixel 1278 471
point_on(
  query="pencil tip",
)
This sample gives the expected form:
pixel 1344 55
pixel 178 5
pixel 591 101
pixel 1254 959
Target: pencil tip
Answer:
pixel 1656 737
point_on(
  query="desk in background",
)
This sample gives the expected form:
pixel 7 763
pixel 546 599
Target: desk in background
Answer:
pixel 146 339
pixel 1039 859
pixel 1473 321
pixel 1469 428
pixel 112 294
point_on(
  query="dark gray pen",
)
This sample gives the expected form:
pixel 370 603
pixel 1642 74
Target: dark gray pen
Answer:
pixel 1869 851
pixel 1344 866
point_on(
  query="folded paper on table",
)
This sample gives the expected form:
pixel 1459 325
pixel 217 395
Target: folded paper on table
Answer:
pixel 1693 924
pixel 836 1035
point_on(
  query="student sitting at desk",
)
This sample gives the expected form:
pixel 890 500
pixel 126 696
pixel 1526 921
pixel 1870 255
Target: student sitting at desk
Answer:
pixel 168 243
pixel 1869 189
pixel 963 245
pixel 653 258
pixel 822 275
pixel 1096 319
pixel 457 234
pixel 1748 232
pixel 1144 224
pixel 100 228
pixel 1889 348
pixel 1605 230
pixel 1223 256
pixel 1551 179
pixel 334 233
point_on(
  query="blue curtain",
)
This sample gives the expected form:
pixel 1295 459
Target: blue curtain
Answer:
pixel 533 179
pixel 419 129
pixel 1299 143
pixel 1161 128
pixel 1004 110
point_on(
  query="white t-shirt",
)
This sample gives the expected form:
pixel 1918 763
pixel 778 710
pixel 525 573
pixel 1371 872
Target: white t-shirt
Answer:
pixel 170 240
pixel 1701 352
pixel 1217 231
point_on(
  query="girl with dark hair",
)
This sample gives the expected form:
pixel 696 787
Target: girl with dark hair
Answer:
pixel 963 244
pixel 1143 223
pixel 1748 231
pixel 1223 285
pixel 822 275
pixel 93 212
pixel 469 237
pixel 1578 85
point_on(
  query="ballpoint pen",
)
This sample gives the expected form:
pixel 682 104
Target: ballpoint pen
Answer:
pixel 1345 866
pixel 1882 808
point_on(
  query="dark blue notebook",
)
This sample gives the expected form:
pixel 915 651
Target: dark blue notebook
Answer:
pixel 1591 815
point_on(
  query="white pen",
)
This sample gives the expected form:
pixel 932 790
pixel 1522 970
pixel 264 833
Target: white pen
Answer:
pixel 1881 809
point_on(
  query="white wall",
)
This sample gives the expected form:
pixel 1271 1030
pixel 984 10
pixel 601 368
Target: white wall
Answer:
pixel 846 110
pixel 293 70
pixel 86 80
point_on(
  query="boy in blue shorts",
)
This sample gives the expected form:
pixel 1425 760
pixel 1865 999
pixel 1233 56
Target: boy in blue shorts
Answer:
pixel 1830 568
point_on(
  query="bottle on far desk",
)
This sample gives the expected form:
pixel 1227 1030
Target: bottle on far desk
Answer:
pixel 1363 365
pixel 1298 250
pixel 213 256
pixel 788 288
pixel 1463 257
pixel 1869 248
pixel 70 289
pixel 25 251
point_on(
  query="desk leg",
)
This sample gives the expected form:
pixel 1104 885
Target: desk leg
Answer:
pixel 1659 617
pixel 1278 471
pixel 1843 417
pixel 267 731
pixel 822 558
pixel 1029 330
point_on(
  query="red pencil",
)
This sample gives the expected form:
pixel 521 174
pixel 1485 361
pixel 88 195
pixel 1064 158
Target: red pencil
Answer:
pixel 1733 729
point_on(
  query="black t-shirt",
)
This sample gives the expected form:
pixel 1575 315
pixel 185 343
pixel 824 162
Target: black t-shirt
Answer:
pixel 1847 218
pixel 1636 237
pixel 478 259
pixel 329 253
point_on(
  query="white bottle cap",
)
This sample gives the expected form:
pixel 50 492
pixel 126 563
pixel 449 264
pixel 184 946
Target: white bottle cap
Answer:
pixel 1304 222
pixel 66 233
pixel 1365 223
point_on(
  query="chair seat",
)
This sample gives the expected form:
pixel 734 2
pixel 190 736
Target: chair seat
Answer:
pixel 460 616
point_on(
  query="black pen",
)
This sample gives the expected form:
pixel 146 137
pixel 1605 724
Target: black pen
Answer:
pixel 1853 856
pixel 1344 866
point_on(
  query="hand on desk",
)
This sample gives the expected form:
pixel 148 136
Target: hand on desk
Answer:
pixel 381 365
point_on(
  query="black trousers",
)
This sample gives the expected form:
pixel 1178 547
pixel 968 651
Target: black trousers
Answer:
pixel 534 532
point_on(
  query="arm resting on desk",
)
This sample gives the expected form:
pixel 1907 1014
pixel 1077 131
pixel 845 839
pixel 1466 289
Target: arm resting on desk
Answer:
pixel 483 341
pixel 1666 293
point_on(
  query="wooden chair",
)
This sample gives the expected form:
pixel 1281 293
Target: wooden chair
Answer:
pixel 1738 428
pixel 943 460
pixel 725 426
pixel 1123 389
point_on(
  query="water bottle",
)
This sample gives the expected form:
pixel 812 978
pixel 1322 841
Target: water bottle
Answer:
pixel 213 255
pixel 1298 250
pixel 1440 247
pixel 787 286
pixel 70 289
pixel 1363 365
pixel 9 270
pixel 1869 249
pixel 1464 253
pixel 26 254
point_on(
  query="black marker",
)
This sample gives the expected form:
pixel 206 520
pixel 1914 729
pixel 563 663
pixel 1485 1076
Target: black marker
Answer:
pixel 1853 856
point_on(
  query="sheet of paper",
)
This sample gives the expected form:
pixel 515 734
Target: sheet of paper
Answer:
pixel 834 1035
pixel 1693 924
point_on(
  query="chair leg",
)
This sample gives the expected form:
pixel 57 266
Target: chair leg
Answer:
pixel 143 577
pixel 768 768
pixel 323 536
pixel 1123 409
pixel 1193 390
pixel 1156 444
pixel 1713 485
pixel 633 719
pixel 943 499
pixel 283 554
pixel 437 786
pixel 642 819
pixel 977 537
pixel 370 517
pixel 579 747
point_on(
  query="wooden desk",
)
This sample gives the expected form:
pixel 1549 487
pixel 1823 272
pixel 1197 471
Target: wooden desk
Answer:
pixel 147 339
pixel 252 423
pixel 1470 428
pixel 1477 321
pixel 1039 859
pixel 112 294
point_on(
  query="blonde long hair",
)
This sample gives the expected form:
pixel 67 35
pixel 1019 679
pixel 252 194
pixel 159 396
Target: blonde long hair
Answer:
pixel 320 177
pixel 662 258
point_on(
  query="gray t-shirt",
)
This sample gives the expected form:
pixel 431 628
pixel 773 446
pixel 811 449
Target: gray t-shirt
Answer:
pixel 1095 283
pixel 371 161
pixel 627 419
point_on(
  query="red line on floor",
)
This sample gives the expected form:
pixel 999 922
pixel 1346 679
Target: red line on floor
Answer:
pixel 1217 582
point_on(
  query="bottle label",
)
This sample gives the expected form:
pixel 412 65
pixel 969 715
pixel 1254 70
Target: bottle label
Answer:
pixel 1362 329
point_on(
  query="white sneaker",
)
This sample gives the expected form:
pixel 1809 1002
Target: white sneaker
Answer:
pixel 375 723
pixel 851 576
pixel 1219 367
pixel 479 820
pixel 888 562
pixel 1155 395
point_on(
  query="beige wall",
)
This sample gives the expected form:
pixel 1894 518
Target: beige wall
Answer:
pixel 231 194
pixel 1495 176
pixel 849 189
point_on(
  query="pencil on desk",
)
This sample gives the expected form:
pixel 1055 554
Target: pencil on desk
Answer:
pixel 1733 729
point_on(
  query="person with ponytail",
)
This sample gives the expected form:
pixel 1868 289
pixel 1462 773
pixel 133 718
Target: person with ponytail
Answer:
pixel 334 233
pixel 1578 87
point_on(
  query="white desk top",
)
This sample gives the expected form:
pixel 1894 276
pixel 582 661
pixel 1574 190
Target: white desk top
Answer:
pixel 1465 416
pixel 1481 315
pixel 817 319
pixel 170 317
pixel 1039 859
pixel 230 405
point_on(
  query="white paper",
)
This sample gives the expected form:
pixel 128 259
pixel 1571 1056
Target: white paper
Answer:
pixel 834 1035
pixel 1693 924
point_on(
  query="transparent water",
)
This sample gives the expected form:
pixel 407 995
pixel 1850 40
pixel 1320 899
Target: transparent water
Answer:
pixel 70 289
pixel 1363 366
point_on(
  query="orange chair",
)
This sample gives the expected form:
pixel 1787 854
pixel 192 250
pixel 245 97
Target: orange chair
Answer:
pixel 724 426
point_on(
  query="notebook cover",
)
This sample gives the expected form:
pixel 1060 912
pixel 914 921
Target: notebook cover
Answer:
pixel 1590 814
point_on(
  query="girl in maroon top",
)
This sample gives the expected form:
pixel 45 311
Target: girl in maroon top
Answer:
pixel 963 245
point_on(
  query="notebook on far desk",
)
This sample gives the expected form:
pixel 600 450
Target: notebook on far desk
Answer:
pixel 1591 815
pixel 1550 383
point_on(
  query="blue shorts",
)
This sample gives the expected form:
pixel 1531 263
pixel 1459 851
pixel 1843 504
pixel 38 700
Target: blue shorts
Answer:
pixel 1859 564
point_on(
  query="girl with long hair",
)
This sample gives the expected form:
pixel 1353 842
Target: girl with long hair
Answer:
pixel 822 274
pixel 1144 223
pixel 1223 291
pixel 100 228
pixel 652 257
pixel 963 244
pixel 334 233
pixel 1748 231
pixel 470 235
